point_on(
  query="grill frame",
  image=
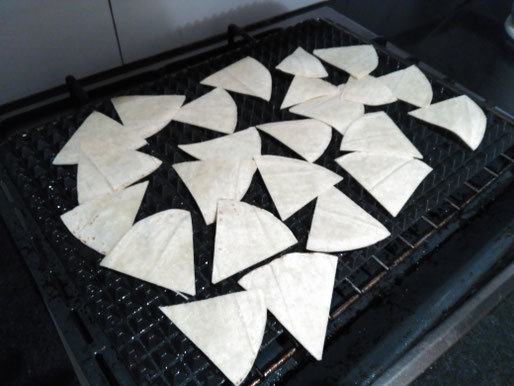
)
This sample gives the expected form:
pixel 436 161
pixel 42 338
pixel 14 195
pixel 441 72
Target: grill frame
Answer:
pixel 63 297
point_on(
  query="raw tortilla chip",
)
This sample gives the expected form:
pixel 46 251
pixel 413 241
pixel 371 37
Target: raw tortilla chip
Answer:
pixel 303 89
pixel 102 222
pixel 409 85
pixel 292 183
pixel 245 236
pixel 244 144
pixel 91 183
pixel 97 127
pixel 228 329
pixel 339 225
pixel 300 62
pixel 307 137
pixel 331 110
pixel 246 76
pixel 213 180
pixel 146 115
pixel 159 250
pixel 377 133
pixel 357 60
pixel 391 179
pixel 215 110
pixel 369 90
pixel 298 291
pixel 120 167
pixel 460 115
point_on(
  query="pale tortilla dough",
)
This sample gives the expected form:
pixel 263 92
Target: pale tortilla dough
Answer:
pixel 303 89
pixel 358 60
pixel 409 85
pixel 368 90
pixel 300 62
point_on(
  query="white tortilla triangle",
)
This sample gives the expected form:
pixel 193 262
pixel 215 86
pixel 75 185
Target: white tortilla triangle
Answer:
pixel 102 222
pixel 409 85
pixel 91 183
pixel 159 250
pixel 244 144
pixel 339 225
pixel 245 236
pixel 357 60
pixel 246 76
pixel 460 115
pixel 215 111
pixel 369 90
pixel 97 127
pixel 303 89
pixel 298 290
pixel 228 329
pixel 331 110
pixel 391 179
pixel 213 180
pixel 146 115
pixel 377 133
pixel 300 62
pixel 119 166
pixel 307 137
pixel 293 183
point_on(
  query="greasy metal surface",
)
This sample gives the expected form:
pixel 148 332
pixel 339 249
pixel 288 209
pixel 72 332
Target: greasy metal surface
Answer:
pixel 118 316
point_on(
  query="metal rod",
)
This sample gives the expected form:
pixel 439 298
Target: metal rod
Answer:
pixel 472 187
pixel 429 222
pixel 494 174
pixel 452 203
pixel 353 285
pixel 380 262
pixel 407 242
pixel 506 157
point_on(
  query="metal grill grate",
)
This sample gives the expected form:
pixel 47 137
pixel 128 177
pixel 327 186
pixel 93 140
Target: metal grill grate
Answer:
pixel 121 324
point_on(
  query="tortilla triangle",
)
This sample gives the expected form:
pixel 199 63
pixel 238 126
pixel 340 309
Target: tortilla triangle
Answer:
pixel 245 236
pixel 298 290
pixel 146 115
pixel 102 222
pixel 331 110
pixel 303 89
pixel 97 127
pixel 368 90
pixel 391 179
pixel 307 137
pixel 300 62
pixel 377 133
pixel 228 329
pixel 91 183
pixel 215 111
pixel 213 180
pixel 358 60
pixel 409 85
pixel 460 115
pixel 339 225
pixel 293 183
pixel 244 144
pixel 159 250
pixel 246 76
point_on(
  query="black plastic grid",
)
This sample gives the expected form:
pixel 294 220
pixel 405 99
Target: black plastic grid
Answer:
pixel 126 309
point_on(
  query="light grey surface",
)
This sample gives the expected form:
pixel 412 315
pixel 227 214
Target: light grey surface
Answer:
pixel 42 42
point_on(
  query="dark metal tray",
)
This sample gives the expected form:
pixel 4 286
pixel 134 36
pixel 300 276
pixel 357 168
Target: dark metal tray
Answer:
pixel 111 321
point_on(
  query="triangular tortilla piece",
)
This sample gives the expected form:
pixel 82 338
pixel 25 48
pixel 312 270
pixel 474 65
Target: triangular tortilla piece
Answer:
pixel 293 183
pixel 391 179
pixel 377 133
pixel 119 166
pixel 228 329
pixel 102 222
pixel 369 90
pixel 460 115
pixel 213 180
pixel 300 62
pixel 339 225
pixel 298 290
pixel 159 250
pixel 245 236
pixel 146 115
pixel 91 183
pixel 215 111
pixel 331 110
pixel 307 137
pixel 244 144
pixel 246 76
pixel 97 127
pixel 303 89
pixel 357 60
pixel 409 85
